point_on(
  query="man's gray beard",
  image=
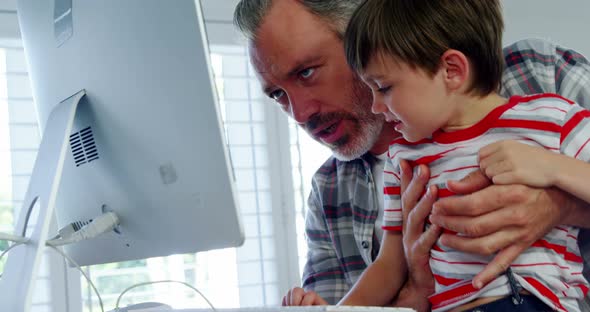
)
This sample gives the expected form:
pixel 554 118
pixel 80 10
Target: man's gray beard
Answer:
pixel 367 127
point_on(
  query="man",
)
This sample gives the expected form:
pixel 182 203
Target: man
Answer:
pixel 296 49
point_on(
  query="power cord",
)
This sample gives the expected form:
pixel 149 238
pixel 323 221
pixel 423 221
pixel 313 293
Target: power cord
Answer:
pixel 73 233
pixel 50 245
pixel 8 249
pixel 164 281
pixel 79 231
pixel 13 238
pixel 17 240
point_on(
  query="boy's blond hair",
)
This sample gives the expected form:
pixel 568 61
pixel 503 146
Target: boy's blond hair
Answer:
pixel 418 32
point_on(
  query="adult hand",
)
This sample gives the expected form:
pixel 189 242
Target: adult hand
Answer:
pixel 502 219
pixel 297 296
pixel 417 242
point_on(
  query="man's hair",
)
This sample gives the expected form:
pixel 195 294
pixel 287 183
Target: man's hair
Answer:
pixel 249 14
pixel 418 32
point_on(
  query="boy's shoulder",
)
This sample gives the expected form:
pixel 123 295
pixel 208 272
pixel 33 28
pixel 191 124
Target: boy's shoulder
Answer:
pixel 540 103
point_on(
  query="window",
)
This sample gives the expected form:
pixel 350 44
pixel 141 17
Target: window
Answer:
pixel 307 156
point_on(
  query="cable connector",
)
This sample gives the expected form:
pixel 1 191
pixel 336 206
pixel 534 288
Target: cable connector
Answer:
pixel 100 225
pixel 72 228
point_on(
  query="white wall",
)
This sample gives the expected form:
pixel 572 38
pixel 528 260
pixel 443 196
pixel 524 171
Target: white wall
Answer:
pixel 565 22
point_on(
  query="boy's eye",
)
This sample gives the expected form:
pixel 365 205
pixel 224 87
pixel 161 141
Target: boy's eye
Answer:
pixel 306 73
pixel 384 89
pixel 276 94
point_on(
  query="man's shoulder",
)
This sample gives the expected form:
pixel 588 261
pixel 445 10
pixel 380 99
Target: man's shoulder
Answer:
pixel 536 45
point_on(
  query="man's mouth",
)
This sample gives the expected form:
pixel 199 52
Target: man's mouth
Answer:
pixel 328 130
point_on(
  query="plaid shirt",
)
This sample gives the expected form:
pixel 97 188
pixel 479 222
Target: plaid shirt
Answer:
pixel 343 204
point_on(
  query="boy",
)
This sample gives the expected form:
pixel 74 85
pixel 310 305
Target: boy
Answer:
pixel 434 68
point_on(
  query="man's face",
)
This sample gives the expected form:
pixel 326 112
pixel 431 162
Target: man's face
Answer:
pixel 301 64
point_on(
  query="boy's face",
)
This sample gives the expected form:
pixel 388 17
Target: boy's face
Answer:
pixel 416 102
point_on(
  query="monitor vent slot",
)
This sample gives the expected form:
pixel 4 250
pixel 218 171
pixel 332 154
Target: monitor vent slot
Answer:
pixel 83 147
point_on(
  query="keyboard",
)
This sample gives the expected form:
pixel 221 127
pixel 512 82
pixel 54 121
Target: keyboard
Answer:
pixel 303 309
pixel 282 309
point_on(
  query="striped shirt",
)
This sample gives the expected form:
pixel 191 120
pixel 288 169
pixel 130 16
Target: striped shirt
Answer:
pixel 551 268
pixel 344 201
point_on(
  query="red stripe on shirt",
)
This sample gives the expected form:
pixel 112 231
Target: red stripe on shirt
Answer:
pixel 445 281
pixel 528 124
pixel 546 292
pixel 581 148
pixel 392 190
pixel 426 160
pixel 451 296
pixel 392 228
pixel 559 249
pixel 572 123
pixel 445 193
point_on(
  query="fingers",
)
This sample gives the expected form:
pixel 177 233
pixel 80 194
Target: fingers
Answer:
pixel 312 298
pixel 485 245
pixel 414 190
pixel 494 167
pixel 477 226
pixel 406 178
pixel 414 223
pixel 489 149
pixel 507 178
pixel 484 201
pixel 473 182
pixel 293 297
pixel 299 297
pixel 406 175
pixel 498 265
pixel 426 241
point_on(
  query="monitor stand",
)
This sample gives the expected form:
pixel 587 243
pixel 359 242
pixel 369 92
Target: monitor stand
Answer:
pixel 18 279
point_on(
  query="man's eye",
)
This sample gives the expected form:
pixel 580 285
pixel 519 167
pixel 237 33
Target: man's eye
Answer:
pixel 276 94
pixel 306 73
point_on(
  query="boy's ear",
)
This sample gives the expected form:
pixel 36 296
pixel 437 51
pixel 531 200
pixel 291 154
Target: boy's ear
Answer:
pixel 456 69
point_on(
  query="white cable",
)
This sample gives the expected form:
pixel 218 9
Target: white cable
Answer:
pixel 13 238
pixel 79 269
pixel 8 249
pixel 100 225
pixel 164 281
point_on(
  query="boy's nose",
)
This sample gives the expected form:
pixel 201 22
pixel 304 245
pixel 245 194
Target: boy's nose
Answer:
pixel 378 107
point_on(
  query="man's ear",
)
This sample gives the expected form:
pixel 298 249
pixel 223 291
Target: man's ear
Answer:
pixel 456 69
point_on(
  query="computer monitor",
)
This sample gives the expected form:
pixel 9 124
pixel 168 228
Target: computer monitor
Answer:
pixel 146 140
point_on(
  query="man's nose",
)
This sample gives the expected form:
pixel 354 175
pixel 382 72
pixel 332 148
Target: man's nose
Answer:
pixel 302 107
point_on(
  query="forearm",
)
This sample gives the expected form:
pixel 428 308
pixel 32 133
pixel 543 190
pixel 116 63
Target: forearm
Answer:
pixel 382 280
pixel 572 175
pixel 376 286
pixel 411 297
pixel 575 212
